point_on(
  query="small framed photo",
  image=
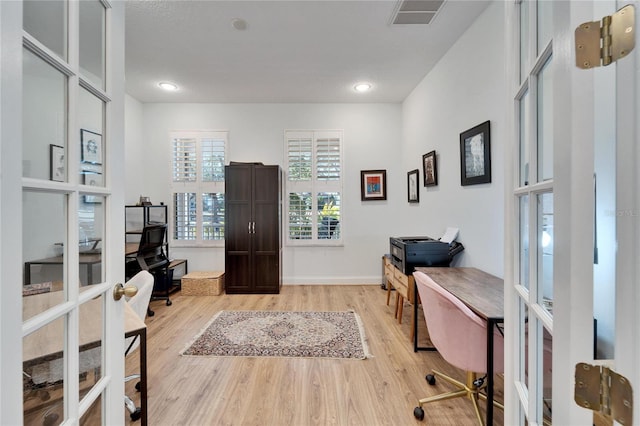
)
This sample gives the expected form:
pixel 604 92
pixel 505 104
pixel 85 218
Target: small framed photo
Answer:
pixel 413 179
pixel 373 185
pixel 475 155
pixel 430 169
pixel 56 163
pixel 92 179
pixel 91 147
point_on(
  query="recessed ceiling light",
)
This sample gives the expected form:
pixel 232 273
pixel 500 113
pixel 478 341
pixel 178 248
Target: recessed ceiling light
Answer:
pixel 239 24
pixel 362 87
pixel 168 86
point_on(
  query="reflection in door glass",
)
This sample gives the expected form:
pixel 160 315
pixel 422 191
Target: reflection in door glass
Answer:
pixel 524 139
pixel 46 21
pixel 545 123
pixel 43 123
pixel 524 241
pixel 547 363
pixel 545 251
pixel 91 233
pixel 43 238
pixel 43 369
pixel 92 37
pixel 90 349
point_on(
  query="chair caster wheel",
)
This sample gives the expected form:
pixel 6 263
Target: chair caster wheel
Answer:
pixel 138 387
pixel 169 302
pixel 418 413
pixel 150 313
pixel 431 379
pixel 50 419
pixel 136 414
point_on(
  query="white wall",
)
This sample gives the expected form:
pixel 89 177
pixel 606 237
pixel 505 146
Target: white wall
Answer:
pixel 463 90
pixel 371 141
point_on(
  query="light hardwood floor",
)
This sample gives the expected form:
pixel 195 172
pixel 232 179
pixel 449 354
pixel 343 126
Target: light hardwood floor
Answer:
pixel 382 390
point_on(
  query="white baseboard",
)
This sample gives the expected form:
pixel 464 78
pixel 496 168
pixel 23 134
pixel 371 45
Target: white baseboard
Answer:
pixel 376 280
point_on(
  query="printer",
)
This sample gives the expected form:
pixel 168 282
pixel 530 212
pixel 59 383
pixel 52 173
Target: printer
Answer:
pixel 407 253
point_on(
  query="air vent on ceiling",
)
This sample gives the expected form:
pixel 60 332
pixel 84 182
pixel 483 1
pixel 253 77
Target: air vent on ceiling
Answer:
pixel 416 11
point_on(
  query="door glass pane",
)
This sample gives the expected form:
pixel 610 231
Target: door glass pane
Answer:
pixel 46 20
pixel 44 117
pixel 328 215
pixel 93 416
pixel 545 251
pixel 545 23
pixel 91 119
pixel 545 123
pixel 524 241
pixel 524 344
pixel 43 238
pixel 92 36
pixel 547 359
pixel 91 233
pixel 524 39
pixel 90 350
pixel 524 139
pixel 43 370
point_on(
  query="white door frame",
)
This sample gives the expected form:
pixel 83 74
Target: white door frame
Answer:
pixel 573 202
pixel 11 184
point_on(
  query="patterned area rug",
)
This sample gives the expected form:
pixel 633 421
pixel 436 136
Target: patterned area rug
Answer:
pixel 281 334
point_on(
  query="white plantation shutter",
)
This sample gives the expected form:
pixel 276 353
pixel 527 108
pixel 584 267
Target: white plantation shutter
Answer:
pixel 198 188
pixel 314 179
pixel 300 224
pixel 300 158
pixel 212 160
pixel 328 159
pixel 184 210
pixel 184 160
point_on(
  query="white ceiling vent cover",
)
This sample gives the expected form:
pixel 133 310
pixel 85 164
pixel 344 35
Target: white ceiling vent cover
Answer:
pixel 411 12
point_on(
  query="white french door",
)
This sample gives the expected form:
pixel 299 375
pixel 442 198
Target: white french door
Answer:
pixel 572 207
pixel 62 230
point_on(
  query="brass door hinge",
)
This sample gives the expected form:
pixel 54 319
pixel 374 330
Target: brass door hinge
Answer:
pixel 601 389
pixel 602 45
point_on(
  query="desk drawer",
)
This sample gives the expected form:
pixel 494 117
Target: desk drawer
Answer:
pixel 404 284
pixel 400 282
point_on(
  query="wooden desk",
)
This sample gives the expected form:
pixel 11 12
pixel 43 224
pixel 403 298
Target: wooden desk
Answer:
pixel 46 343
pixel 85 259
pixel 483 294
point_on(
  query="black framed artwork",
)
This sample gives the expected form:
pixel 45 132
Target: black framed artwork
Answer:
pixel 373 185
pixel 475 155
pixel 413 179
pixel 430 169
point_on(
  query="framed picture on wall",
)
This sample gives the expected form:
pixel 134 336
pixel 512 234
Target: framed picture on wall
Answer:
pixel 430 169
pixel 91 144
pixel 92 179
pixel 475 155
pixel 56 163
pixel 413 179
pixel 373 185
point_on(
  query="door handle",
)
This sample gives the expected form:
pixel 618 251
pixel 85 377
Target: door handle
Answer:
pixel 253 227
pixel 119 290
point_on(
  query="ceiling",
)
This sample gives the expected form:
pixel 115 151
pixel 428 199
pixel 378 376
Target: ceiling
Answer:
pixel 291 51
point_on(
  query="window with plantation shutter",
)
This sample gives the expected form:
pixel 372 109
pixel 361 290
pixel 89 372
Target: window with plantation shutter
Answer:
pixel 314 187
pixel 197 188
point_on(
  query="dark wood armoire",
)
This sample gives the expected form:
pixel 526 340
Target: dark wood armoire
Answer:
pixel 253 197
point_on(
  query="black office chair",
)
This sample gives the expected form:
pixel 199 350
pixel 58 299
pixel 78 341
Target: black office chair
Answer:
pixel 151 256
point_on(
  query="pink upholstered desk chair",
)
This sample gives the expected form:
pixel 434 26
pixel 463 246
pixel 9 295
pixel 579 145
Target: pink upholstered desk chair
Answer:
pixel 461 338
